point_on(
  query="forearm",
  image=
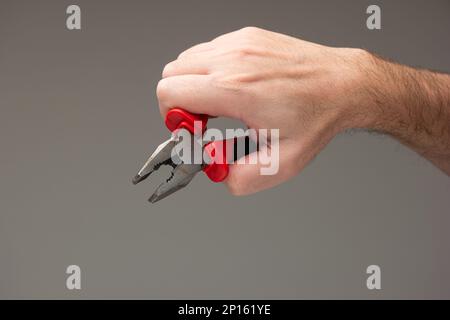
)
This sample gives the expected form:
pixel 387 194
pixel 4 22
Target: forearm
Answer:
pixel 412 105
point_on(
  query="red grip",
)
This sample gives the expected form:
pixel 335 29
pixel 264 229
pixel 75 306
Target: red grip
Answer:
pixel 177 118
pixel 217 170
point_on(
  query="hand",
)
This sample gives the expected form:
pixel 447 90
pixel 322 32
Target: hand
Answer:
pixel 269 80
pixel 266 80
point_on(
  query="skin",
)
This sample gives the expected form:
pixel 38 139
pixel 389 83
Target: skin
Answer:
pixel 311 93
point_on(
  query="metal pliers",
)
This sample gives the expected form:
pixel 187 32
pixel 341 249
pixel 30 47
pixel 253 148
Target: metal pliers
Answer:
pixel 182 173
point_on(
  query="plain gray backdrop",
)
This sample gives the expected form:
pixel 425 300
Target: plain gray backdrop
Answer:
pixel 79 116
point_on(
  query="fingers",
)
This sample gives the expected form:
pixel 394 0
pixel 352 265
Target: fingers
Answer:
pixel 227 37
pixel 247 178
pixel 207 46
pixel 195 60
pixel 201 47
pixel 230 36
pixel 196 94
pixel 191 64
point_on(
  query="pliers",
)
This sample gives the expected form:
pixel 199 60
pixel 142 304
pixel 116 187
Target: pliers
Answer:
pixel 182 173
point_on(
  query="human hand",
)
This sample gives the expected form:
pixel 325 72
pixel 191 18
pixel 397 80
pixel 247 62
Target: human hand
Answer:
pixel 268 80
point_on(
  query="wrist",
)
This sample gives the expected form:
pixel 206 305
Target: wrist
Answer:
pixel 412 105
pixel 379 93
pixel 357 109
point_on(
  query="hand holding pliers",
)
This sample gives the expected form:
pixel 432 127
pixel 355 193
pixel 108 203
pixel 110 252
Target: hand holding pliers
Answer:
pixel 182 173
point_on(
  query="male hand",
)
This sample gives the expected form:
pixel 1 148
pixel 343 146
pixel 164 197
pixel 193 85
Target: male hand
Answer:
pixel 308 91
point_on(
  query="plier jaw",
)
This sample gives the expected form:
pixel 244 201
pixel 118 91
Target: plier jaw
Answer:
pixel 161 156
pixel 180 176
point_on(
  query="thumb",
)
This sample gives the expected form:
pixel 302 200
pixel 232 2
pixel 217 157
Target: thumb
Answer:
pixel 263 169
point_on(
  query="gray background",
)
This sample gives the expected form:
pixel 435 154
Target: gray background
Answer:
pixel 79 116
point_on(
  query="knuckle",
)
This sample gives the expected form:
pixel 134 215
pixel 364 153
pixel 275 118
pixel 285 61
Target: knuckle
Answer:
pixel 162 89
pixel 244 51
pixel 227 82
pixel 184 53
pixel 241 51
pixel 168 69
pixel 250 30
pixel 238 81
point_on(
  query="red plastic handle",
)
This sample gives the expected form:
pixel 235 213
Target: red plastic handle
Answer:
pixel 178 118
pixel 217 171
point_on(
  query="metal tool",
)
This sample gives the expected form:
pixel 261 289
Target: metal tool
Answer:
pixel 182 173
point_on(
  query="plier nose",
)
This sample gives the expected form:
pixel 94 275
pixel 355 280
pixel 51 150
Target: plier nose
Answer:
pixel 161 156
pixel 182 173
pixel 180 176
